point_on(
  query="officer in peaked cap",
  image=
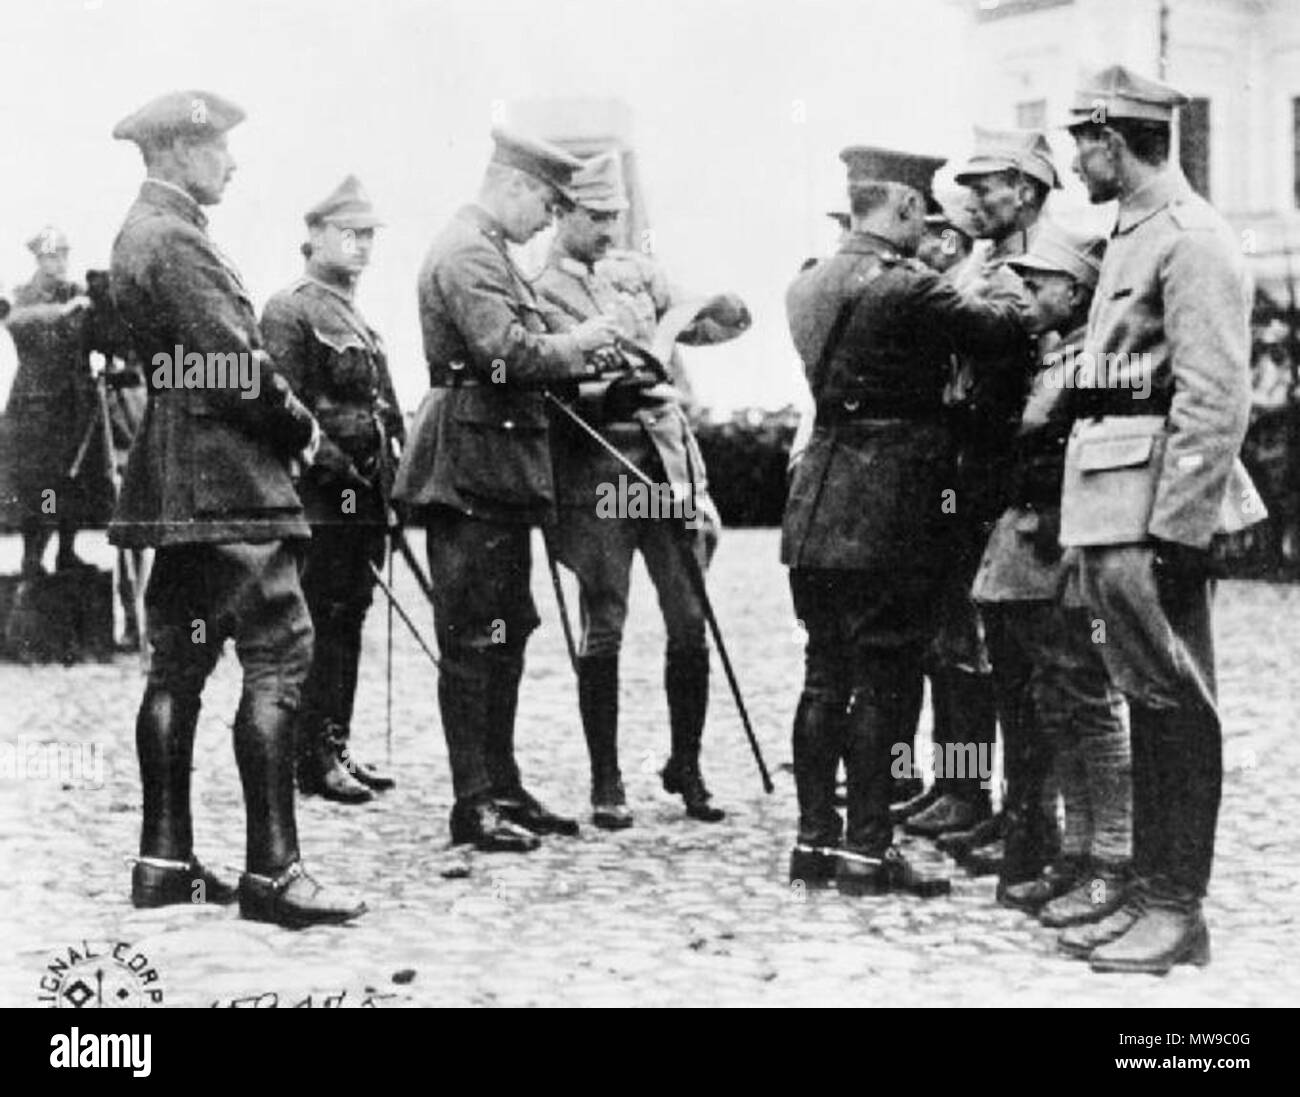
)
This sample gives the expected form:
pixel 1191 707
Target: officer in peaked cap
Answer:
pixel 864 533
pixel 585 277
pixel 209 486
pixel 336 364
pixel 478 467
pixel 1170 316
pixel 1008 177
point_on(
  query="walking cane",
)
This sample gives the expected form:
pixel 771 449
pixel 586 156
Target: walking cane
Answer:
pixel 388 672
pixel 696 577
pixel 406 619
pixel 560 601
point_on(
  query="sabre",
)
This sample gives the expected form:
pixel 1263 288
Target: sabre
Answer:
pixel 696 576
pixel 406 620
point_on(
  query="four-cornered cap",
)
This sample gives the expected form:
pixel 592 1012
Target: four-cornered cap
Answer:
pixel 540 159
pixel 1059 250
pixel 598 185
pixel 49 241
pixel 867 164
pixel 952 204
pixel 1119 92
pixel 1026 151
pixel 347 206
pixel 195 114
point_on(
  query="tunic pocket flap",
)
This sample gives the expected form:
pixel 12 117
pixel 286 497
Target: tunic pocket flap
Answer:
pixel 1099 454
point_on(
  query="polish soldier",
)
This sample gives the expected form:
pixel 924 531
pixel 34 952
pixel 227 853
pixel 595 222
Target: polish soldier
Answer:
pixel 864 533
pixel 337 367
pixel 479 467
pixel 585 277
pixel 1148 484
pixel 1055 691
pixel 208 485
pixel 51 406
pixel 1008 177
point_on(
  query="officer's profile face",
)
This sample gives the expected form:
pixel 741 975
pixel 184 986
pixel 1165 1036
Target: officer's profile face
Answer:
pixel 532 207
pixel 1054 298
pixel 995 202
pixel 206 168
pixel 341 247
pixel 588 234
pixel 1095 162
pixel 53 264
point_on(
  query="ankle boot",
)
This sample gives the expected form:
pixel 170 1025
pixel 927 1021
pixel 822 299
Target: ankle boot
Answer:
pixel 686 681
pixel 1056 879
pixel 319 768
pixel 598 705
pixel 1099 893
pixel 1170 930
pixel 293 899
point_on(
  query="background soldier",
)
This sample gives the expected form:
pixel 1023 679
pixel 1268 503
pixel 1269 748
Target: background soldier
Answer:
pixel 864 533
pixel 1171 312
pixel 336 364
pixel 1009 176
pixel 584 278
pixel 52 404
pixel 208 484
pixel 1047 667
pixel 480 459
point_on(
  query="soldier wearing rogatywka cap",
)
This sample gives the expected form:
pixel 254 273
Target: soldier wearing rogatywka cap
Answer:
pixel 478 469
pixel 1151 476
pixel 1007 179
pixel 208 485
pixel 586 277
pixel 52 405
pixel 865 532
pixel 1060 713
pixel 336 364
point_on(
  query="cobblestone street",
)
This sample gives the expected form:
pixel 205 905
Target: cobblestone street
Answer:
pixel 670 912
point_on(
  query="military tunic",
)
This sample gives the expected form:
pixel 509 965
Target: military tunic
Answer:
pixel 865 532
pixel 208 479
pixel 336 365
pixel 656 437
pixel 1171 309
pixel 478 465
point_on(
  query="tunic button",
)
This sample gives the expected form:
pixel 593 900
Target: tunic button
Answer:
pixel 851 405
pixel 509 424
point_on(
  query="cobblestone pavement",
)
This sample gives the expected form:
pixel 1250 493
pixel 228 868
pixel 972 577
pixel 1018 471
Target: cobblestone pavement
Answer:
pixel 668 912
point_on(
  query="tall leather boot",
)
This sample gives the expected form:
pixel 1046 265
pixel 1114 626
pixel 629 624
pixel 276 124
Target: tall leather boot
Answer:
pixel 869 863
pixel 167 871
pixel 965 802
pixel 275 887
pixel 1187 780
pixel 598 705
pixel 514 802
pixel 817 742
pixel 1029 836
pixel 686 681
pixel 464 685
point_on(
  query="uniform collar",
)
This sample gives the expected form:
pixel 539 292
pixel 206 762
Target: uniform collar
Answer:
pixel 335 282
pixel 868 243
pixel 1154 195
pixel 170 197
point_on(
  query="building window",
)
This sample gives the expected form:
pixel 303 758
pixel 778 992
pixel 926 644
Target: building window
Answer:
pixel 1194 144
pixel 1031 114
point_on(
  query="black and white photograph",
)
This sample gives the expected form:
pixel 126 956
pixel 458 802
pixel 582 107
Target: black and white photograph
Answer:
pixel 601 503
